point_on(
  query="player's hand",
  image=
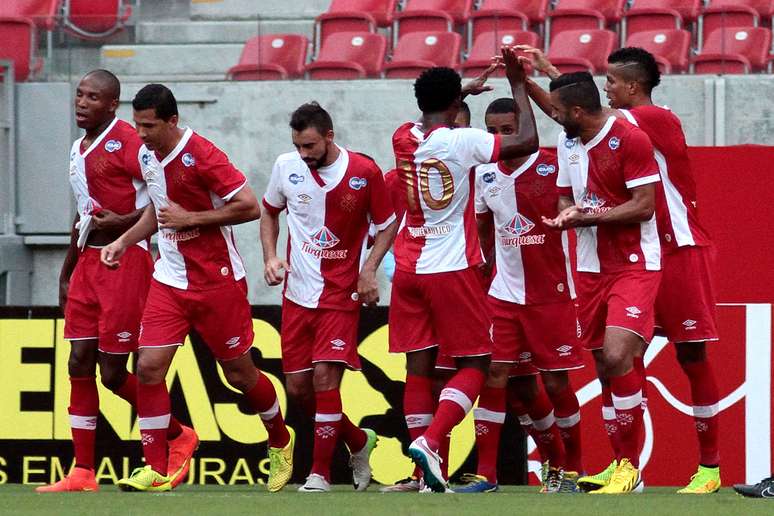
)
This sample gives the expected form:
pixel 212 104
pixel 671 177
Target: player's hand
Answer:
pixel 560 221
pixel 368 288
pixel 174 216
pixel 106 219
pixel 112 253
pixel 538 60
pixel 514 70
pixel 272 271
pixel 64 286
pixel 478 85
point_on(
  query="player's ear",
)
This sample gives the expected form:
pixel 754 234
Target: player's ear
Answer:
pixel 173 120
pixel 114 105
pixel 329 135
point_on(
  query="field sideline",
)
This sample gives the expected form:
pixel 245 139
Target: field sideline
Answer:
pixel 252 500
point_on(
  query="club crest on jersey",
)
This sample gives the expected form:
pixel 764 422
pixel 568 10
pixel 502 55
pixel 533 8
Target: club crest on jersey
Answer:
pixel 545 169
pixel 325 239
pixel 614 143
pixel 295 178
pixel 519 226
pixel 489 177
pixel 188 159
pixel 356 183
pixel 112 145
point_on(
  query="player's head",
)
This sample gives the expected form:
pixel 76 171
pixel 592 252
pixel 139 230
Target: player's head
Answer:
pixel 500 117
pixel 96 99
pixel 632 73
pixel 574 96
pixel 155 115
pixel 312 133
pixel 463 116
pixel 439 90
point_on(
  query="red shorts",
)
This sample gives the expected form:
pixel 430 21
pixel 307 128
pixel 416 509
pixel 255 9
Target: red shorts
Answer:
pixel 312 335
pixel 447 309
pixel 619 300
pixel 221 316
pixel 685 305
pixel 544 336
pixel 107 304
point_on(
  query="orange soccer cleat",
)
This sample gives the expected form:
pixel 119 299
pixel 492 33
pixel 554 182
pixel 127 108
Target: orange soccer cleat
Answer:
pixel 79 479
pixel 181 449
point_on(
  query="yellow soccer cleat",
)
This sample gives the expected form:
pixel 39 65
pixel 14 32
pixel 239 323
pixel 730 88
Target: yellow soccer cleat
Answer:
pixel 704 481
pixel 625 479
pixel 281 464
pixel 593 482
pixel 145 479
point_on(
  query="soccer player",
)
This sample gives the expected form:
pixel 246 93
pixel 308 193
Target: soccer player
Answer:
pixel 607 177
pixel 198 282
pixel 103 307
pixel 685 304
pixel 332 195
pixel 531 299
pixel 437 302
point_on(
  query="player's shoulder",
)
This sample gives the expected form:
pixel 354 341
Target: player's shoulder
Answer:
pixel 545 163
pixel 363 162
pixel 484 169
pixel 404 131
pixel 288 159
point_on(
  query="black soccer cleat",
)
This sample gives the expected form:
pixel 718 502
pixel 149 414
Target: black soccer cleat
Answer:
pixel 763 489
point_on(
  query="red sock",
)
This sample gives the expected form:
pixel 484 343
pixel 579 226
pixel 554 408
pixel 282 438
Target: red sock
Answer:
pixel 704 392
pixel 639 366
pixel 418 405
pixel 516 407
pixel 354 437
pixel 627 401
pixel 545 431
pixel 153 414
pixel 262 398
pixel 327 423
pixel 567 412
pixel 83 410
pixel 489 418
pixel 611 424
pixel 128 392
pixel 455 402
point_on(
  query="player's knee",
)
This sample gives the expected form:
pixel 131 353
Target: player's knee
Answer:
pixel 524 389
pixel 112 378
pixel 555 383
pixel 239 380
pixel 326 377
pixel 617 361
pixel 82 362
pixel 498 374
pixel 149 371
pixel 689 352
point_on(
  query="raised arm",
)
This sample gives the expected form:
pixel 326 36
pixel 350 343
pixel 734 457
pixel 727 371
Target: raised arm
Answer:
pixel 525 141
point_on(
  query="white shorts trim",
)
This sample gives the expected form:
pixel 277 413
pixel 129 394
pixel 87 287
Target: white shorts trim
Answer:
pixel 80 338
pixel 630 331
pixel 161 346
pixel 299 371
pixel 114 352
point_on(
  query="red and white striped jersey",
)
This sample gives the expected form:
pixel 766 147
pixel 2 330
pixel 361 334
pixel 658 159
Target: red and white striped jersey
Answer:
pixel 599 175
pixel 676 212
pixel 532 264
pixel 107 175
pixel 438 232
pixel 329 213
pixel 199 177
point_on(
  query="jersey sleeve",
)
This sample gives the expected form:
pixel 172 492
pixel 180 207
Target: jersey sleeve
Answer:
pixel 219 174
pixel 274 199
pixel 476 146
pixel 639 165
pixel 131 157
pixel 478 194
pixel 392 182
pixel 563 183
pixel 381 210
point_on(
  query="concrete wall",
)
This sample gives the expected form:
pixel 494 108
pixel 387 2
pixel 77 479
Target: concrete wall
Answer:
pixel 249 121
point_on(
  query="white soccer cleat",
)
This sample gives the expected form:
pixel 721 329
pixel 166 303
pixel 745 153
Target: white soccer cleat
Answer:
pixel 430 462
pixel 360 462
pixel 315 484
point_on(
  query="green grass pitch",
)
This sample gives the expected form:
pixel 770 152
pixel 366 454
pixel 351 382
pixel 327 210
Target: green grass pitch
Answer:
pixel 253 500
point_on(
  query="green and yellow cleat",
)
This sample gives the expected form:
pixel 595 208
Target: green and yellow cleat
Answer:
pixel 593 482
pixel 145 479
pixel 625 479
pixel 704 481
pixel 281 464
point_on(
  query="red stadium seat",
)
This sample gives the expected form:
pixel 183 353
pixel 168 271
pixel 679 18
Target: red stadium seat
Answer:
pixel 497 16
pixel 583 14
pixel 488 44
pixel 354 16
pixel 647 15
pixel 582 50
pixel 733 13
pixel 349 55
pixel 271 56
pixel 534 10
pixel 17 42
pixel 418 51
pixel 671 48
pixel 430 15
pixel 734 50
pixel 88 19
pixel 43 13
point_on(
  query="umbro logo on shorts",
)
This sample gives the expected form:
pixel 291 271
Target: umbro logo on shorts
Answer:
pixel 633 311
pixel 564 350
pixel 232 342
pixel 689 324
pixel 124 336
pixel 338 344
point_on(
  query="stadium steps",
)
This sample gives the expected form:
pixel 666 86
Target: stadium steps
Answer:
pixel 188 32
pixel 198 62
pixel 254 9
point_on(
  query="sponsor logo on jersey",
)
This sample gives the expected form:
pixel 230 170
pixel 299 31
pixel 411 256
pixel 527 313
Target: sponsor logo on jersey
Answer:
pixel 634 312
pixel 180 236
pixel 489 177
pixel 321 244
pixel 592 203
pixel 423 231
pixel 564 350
pixel 545 169
pixel 689 324
pixel 188 159
pixel 519 226
pixel 304 199
pixel 614 143
pixel 145 159
pixel 124 336
pixel 112 145
pixel 232 342
pixel 338 345
pixel 325 239
pixel 569 144
pixel 356 183
pixel 295 178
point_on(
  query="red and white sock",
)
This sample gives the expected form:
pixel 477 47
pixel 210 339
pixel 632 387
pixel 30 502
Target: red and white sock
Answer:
pixel 627 401
pixel 83 410
pixel 128 392
pixel 262 399
pixel 418 408
pixel 705 396
pixel 568 418
pixel 153 418
pixel 352 435
pixel 546 433
pixel 454 403
pixel 489 417
pixel 327 425
pixel 639 365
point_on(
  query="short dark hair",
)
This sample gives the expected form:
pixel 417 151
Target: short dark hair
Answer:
pixel 577 89
pixel 500 106
pixel 640 64
pixel 464 108
pixel 311 114
pixel 157 97
pixel 108 80
pixel 437 88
